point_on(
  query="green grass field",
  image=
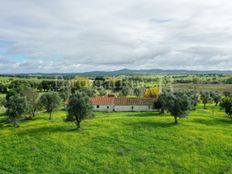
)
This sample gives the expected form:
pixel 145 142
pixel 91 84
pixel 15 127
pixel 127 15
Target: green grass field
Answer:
pixel 119 143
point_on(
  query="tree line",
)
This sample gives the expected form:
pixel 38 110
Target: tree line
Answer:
pixel 23 100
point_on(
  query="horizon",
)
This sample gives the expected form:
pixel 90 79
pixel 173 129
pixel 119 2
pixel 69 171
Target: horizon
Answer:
pixel 125 69
pixel 78 37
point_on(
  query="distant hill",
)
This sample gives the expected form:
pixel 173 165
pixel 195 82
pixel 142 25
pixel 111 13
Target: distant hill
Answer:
pixel 149 72
pixel 130 72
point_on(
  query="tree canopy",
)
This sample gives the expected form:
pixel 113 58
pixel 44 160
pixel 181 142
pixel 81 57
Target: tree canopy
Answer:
pixel 79 107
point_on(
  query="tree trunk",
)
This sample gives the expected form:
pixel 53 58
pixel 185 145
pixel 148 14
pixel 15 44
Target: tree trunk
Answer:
pixel 33 112
pixel 204 105
pixel 176 120
pixel 14 120
pixel 78 123
pixel 50 115
pixel 162 111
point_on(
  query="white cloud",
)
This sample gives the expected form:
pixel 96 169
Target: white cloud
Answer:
pixel 76 35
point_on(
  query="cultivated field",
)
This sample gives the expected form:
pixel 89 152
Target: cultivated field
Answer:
pixel 119 143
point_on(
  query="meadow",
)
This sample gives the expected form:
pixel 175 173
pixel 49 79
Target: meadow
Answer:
pixel 135 142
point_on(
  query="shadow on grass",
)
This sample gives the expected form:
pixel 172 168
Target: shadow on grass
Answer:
pixel 213 121
pixel 143 114
pixel 2 114
pixel 5 122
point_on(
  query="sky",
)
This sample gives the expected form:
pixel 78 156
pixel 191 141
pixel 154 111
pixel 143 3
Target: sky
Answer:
pixel 85 35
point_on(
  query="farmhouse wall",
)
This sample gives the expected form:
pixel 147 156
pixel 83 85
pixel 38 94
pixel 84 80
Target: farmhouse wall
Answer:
pixel 104 108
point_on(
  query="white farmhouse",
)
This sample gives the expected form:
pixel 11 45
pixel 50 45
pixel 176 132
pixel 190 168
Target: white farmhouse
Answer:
pixel 103 103
pixel 122 104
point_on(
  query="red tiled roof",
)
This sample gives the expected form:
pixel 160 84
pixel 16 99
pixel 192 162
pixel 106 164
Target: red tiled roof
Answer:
pixel 121 101
pixel 134 101
pixel 102 100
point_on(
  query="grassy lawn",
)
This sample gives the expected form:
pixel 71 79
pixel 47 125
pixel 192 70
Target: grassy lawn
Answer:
pixel 119 143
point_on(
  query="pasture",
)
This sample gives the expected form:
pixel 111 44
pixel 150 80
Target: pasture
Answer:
pixel 134 142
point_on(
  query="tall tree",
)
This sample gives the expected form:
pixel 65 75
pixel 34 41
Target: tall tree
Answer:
pixel 79 107
pixel 50 101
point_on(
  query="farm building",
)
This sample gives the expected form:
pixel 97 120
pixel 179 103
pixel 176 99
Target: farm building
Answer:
pixel 122 104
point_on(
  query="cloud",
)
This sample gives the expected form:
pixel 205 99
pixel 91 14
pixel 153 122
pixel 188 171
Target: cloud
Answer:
pixel 75 35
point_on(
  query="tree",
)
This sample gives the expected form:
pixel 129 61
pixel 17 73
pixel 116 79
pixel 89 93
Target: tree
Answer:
pixel 125 91
pixel 88 91
pixel 80 82
pixel 79 107
pixel 178 104
pixel 16 107
pixel 139 91
pixel 152 92
pixel 205 98
pixel 3 89
pixel 50 101
pixel 64 93
pixel 216 97
pixel 102 91
pixel 227 94
pixel 160 103
pixel 32 98
pixel 194 98
pixel 99 81
pixel 226 104
pixel 2 101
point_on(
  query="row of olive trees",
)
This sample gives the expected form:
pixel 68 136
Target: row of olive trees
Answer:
pixel 179 103
pixel 25 101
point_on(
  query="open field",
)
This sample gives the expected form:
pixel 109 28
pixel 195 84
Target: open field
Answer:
pixel 204 87
pixel 119 143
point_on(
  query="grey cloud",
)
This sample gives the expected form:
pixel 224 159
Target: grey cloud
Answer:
pixel 110 34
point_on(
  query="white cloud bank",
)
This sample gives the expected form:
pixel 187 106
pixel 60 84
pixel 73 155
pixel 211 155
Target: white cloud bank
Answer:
pixel 86 35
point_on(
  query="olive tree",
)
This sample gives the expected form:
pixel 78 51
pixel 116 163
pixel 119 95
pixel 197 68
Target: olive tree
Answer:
pixel 16 106
pixel 102 91
pixel 226 104
pixel 205 98
pixel 161 102
pixel 32 97
pixel 216 97
pixel 50 101
pixel 178 104
pixel 79 107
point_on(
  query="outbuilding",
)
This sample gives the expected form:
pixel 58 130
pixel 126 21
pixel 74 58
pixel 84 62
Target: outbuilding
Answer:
pixel 122 104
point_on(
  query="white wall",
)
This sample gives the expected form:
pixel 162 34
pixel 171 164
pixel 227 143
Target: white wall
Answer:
pixel 103 108
pixel 122 108
pixel 135 108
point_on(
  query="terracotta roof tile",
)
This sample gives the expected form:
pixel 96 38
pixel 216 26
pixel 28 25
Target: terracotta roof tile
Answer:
pixel 134 101
pixel 102 100
pixel 121 101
